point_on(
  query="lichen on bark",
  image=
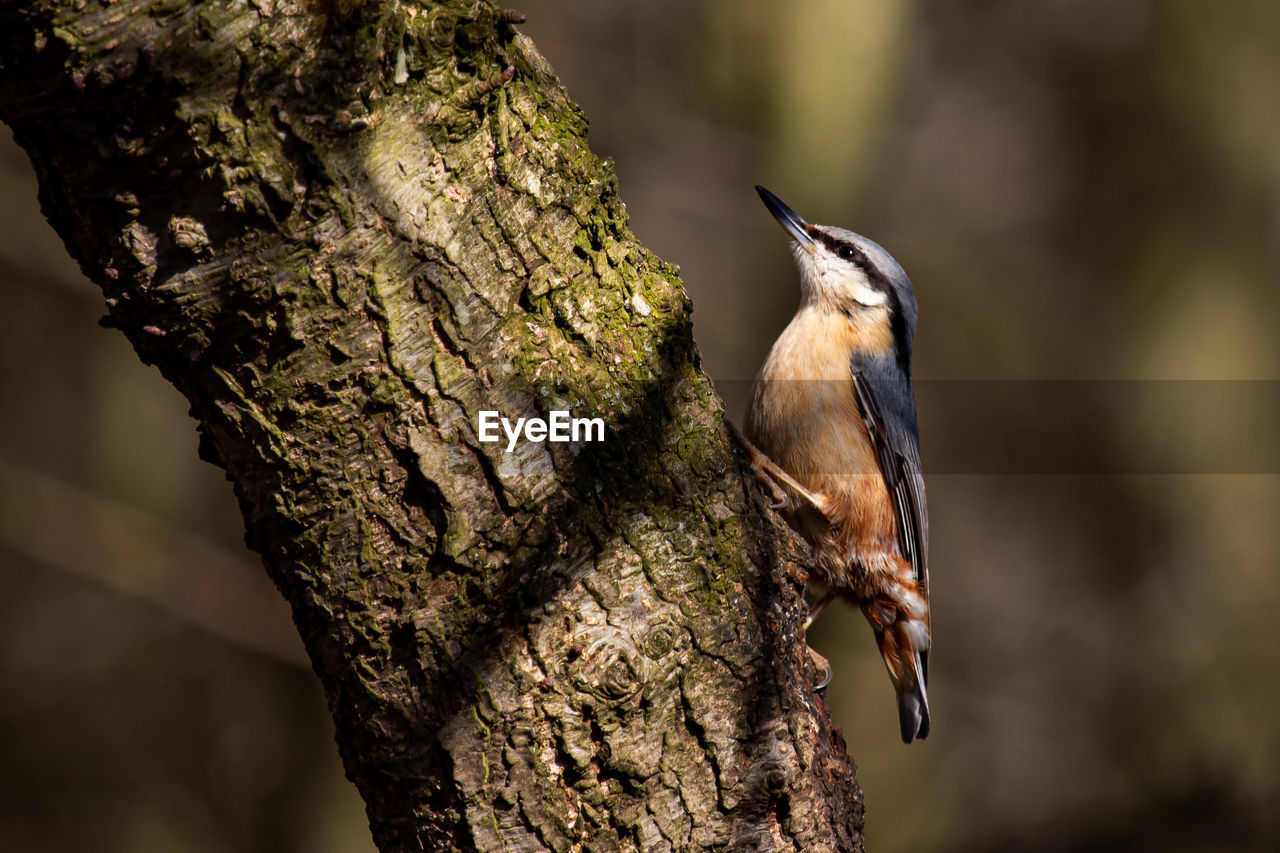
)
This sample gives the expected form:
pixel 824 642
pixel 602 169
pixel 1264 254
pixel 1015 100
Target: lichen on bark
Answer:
pixel 344 229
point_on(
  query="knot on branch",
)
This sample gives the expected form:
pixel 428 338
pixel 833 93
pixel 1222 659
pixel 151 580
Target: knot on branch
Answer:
pixel 660 640
pixel 189 234
pixel 610 667
pixel 777 765
pixel 469 93
pixel 614 656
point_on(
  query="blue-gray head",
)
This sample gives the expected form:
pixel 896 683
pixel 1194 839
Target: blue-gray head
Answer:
pixel 849 273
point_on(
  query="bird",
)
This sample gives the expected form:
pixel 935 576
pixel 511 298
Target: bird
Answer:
pixel 831 429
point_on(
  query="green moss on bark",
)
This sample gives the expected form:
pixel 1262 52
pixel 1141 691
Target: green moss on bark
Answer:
pixel 353 232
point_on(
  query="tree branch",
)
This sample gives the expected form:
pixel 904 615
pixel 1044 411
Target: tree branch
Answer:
pixel 343 230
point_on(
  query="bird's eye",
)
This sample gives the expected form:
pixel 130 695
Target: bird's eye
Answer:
pixel 846 253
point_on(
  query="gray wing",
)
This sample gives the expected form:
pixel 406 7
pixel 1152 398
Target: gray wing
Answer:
pixel 889 412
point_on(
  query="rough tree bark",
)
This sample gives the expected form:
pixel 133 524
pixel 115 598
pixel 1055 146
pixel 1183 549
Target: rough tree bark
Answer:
pixel 342 229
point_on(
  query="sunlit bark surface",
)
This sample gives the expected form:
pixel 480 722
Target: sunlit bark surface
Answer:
pixel 343 230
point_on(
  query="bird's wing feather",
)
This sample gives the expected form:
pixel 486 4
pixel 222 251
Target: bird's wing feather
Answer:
pixel 889 412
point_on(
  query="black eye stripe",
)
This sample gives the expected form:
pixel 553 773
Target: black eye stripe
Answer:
pixel 835 246
pixel 850 252
pixel 843 250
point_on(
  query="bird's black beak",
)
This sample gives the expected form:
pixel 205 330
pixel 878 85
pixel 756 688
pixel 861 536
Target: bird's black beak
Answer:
pixel 788 218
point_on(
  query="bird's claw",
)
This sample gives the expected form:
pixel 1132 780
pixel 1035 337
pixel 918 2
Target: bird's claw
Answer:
pixel 824 671
pixel 763 468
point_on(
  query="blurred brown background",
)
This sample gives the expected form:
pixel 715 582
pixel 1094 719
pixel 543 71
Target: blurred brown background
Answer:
pixel 1081 190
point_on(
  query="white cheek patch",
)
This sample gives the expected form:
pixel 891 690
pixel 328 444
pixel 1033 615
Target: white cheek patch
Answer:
pixel 840 280
pixel 828 276
pixel 863 293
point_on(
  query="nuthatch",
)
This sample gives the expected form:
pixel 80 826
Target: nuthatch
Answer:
pixel 831 429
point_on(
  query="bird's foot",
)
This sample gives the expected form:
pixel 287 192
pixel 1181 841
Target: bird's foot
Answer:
pixel 773 477
pixel 820 663
pixel 818 607
pixel 823 668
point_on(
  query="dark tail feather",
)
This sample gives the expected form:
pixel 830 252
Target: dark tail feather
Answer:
pixel 904 645
pixel 913 703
